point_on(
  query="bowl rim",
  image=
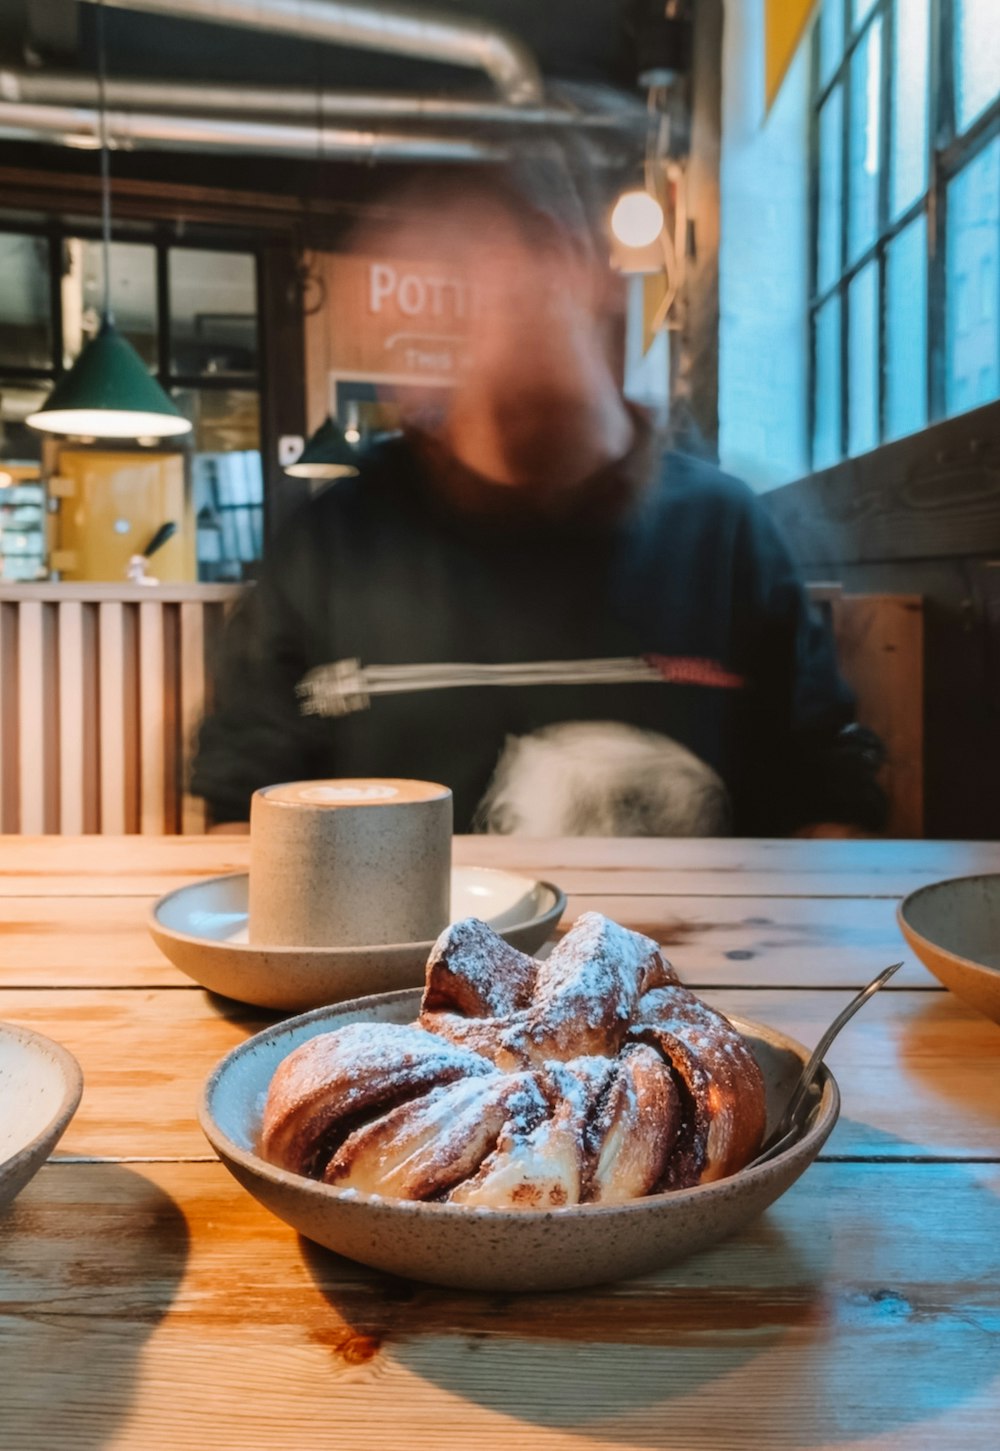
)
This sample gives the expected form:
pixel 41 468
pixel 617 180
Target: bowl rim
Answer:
pixel 908 928
pixel 551 915
pixel 822 1123
pixel 69 1103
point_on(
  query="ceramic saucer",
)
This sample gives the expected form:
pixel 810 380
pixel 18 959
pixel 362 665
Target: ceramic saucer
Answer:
pixel 202 929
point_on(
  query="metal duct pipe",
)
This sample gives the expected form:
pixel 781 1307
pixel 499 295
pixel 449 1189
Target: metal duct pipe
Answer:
pixel 397 29
pixel 69 88
pixel 77 126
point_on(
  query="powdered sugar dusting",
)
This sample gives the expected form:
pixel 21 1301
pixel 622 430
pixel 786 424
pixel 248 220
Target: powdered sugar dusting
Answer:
pixel 597 956
pixel 586 992
pixel 473 970
pixel 359 1050
pixel 707 1039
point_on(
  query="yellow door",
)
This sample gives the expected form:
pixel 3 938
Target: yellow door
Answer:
pixel 109 507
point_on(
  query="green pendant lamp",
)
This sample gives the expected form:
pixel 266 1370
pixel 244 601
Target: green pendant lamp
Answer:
pixel 327 455
pixel 108 392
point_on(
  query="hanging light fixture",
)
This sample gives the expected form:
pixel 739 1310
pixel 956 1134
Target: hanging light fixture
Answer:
pixel 108 392
pixel 327 455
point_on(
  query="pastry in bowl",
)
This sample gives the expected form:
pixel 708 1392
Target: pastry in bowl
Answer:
pixel 594 1077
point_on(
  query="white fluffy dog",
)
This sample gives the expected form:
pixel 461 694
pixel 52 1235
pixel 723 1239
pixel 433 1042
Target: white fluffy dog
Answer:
pixel 600 778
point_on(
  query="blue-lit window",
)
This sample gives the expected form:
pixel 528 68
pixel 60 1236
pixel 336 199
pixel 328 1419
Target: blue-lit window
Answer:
pixel 906 331
pixel 826 432
pixel 976 58
pixel 831 38
pixel 905 309
pixel 864 140
pixel 862 370
pixel 972 284
pixel 908 135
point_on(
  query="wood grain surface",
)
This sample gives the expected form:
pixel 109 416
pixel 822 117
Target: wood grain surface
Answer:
pixel 928 496
pixel 148 1302
pixel 714 942
pixel 178 1313
pixel 917 1071
pixel 149 866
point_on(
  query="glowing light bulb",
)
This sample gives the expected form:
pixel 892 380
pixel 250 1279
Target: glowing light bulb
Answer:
pixel 637 219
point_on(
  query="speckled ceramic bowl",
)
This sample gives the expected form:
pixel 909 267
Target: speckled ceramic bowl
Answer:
pixel 40 1087
pixel 475 1249
pixel 202 929
pixel 954 928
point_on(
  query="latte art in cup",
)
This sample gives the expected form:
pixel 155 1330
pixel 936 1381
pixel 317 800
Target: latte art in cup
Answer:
pixel 333 795
pixel 357 862
pixel 353 791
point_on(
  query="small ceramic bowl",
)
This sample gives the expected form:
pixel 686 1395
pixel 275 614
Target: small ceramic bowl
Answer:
pixel 477 1249
pixel 202 929
pixel 40 1088
pixel 954 928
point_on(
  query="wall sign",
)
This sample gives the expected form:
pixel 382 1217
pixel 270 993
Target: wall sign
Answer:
pixel 394 321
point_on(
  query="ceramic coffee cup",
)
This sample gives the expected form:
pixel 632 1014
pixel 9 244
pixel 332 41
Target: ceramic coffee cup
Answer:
pixel 349 863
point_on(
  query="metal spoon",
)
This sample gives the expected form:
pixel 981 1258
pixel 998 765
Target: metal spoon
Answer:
pixel 790 1123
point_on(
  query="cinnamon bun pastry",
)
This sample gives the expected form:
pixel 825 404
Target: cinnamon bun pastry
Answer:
pixel 632 1136
pixel 473 972
pixel 583 999
pixel 588 989
pixel 720 1083
pixel 607 1139
pixel 424 1147
pixel 321 1090
pixel 541 1165
pixel 591 1078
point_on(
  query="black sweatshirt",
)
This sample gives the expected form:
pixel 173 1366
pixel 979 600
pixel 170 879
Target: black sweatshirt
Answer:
pixel 413 562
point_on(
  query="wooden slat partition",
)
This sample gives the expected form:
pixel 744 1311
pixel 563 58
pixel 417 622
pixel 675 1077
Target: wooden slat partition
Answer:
pixel 191 673
pixel 101 691
pixel 112 695
pixel 31 700
pixel 153 781
pixel 73 773
pixel 8 718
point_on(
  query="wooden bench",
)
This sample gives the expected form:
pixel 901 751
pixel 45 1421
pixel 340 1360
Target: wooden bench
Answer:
pixel 102 686
pixel 880 650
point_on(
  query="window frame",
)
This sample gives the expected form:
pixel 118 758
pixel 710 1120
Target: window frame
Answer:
pixel 948 152
pixel 163 242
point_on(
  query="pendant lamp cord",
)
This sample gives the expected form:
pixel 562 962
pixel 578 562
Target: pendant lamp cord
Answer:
pixel 102 114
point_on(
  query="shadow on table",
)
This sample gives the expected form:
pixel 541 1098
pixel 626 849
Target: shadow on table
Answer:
pixel 77 1303
pixel 858 1304
pixel 544 1359
pixel 973 1088
pixel 253 1019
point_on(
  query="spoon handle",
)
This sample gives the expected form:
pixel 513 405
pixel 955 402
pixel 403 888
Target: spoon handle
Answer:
pixel 819 1052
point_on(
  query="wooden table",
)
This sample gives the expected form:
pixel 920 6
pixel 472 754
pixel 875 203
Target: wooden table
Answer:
pixel 147 1301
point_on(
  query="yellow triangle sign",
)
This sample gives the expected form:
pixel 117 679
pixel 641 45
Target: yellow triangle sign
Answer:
pixel 785 22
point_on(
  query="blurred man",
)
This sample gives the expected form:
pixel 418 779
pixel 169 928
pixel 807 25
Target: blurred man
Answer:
pixel 530 601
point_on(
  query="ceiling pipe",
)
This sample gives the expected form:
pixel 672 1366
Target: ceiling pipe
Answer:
pixel 70 88
pixel 80 127
pixel 396 29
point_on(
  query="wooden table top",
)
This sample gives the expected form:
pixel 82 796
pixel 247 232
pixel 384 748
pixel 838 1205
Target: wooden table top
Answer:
pixel 147 1301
